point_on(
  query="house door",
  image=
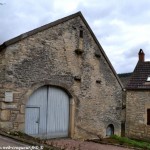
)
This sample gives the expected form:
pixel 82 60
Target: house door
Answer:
pixel 110 130
pixel 47 113
pixel 33 125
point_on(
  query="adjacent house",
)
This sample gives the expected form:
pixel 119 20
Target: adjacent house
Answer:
pixel 138 100
pixel 125 78
pixel 56 81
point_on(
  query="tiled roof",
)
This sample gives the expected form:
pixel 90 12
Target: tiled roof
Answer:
pixel 139 77
pixel 125 77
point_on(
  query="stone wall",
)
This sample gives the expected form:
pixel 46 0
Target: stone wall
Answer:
pixel 58 56
pixel 137 103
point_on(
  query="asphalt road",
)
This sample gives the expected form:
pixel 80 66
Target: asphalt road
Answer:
pixel 10 143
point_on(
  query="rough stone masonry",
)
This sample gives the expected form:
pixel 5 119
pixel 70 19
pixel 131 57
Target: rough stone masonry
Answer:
pixel 60 56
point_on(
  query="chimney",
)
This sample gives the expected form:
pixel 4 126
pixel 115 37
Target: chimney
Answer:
pixel 141 56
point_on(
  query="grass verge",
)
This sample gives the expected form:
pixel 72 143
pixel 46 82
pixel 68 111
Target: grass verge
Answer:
pixel 130 142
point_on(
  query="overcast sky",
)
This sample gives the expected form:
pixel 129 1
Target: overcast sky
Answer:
pixel 121 26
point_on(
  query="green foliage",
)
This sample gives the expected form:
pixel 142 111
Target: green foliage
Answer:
pixel 129 142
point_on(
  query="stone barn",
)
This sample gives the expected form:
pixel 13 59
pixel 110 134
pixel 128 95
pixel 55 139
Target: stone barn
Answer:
pixel 56 81
pixel 138 100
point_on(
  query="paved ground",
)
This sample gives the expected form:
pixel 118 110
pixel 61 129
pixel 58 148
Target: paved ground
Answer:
pixel 10 143
pixel 68 144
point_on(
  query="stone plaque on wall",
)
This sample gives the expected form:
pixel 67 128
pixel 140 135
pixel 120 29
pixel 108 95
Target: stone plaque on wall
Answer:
pixel 8 96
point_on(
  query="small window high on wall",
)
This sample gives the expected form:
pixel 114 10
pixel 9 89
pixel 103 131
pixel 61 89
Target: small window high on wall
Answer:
pixel 148 116
pixel 81 33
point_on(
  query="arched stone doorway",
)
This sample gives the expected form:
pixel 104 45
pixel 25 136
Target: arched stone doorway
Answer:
pixel 47 113
pixel 110 130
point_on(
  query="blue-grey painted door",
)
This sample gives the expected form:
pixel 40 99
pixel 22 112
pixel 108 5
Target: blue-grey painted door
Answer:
pixel 32 127
pixel 47 113
pixel 58 113
pixel 110 130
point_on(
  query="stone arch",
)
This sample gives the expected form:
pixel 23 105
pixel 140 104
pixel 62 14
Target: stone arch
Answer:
pixel 110 130
pixel 62 87
pixel 58 84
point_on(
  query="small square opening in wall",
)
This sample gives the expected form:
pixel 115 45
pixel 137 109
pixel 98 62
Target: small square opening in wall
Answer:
pixel 148 116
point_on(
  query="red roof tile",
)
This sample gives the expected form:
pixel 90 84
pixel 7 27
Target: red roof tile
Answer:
pixel 139 77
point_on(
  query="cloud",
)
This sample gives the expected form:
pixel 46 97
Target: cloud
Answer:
pixel 122 27
pixel 21 16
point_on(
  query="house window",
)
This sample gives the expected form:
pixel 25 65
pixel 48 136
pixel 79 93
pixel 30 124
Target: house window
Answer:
pixel 148 116
pixel 81 33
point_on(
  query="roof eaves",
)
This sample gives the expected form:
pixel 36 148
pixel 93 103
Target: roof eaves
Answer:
pixel 2 46
pixel 39 29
